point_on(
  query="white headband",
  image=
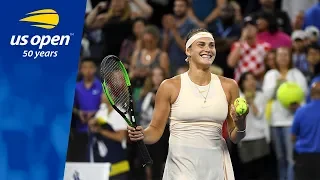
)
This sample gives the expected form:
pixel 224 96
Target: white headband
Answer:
pixel 195 37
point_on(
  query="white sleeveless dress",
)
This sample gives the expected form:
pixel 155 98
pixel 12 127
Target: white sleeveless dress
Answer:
pixel 197 150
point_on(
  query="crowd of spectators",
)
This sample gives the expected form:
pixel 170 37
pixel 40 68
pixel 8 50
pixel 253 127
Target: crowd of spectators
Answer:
pixel 260 44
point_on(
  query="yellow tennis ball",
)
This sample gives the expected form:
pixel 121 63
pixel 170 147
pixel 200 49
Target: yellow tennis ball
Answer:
pixel 101 121
pixel 289 93
pixel 241 108
pixel 238 101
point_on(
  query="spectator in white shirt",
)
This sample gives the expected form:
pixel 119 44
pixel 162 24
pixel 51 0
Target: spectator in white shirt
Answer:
pixel 254 148
pixel 281 118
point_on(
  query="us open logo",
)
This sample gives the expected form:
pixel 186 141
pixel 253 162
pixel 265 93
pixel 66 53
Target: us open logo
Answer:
pixel 46 19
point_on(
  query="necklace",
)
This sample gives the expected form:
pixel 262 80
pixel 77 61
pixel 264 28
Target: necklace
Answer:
pixel 148 57
pixel 200 92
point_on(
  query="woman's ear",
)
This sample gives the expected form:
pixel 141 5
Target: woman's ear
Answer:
pixel 188 53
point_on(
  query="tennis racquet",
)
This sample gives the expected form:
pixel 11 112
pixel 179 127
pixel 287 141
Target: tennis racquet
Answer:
pixel 117 87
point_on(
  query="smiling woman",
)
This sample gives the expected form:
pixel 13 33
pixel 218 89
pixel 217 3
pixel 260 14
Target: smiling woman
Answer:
pixel 197 102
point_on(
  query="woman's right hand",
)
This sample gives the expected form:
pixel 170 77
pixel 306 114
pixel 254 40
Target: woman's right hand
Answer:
pixel 135 134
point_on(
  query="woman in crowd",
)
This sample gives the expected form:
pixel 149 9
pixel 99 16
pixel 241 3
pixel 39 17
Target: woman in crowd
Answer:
pixel 270 60
pixel 269 31
pixel 159 150
pixel 281 117
pixel 254 149
pixel 147 58
pixel 133 42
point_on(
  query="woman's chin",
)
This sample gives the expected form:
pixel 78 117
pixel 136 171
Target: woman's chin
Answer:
pixel 206 61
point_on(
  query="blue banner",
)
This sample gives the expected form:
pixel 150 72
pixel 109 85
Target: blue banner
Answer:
pixel 40 49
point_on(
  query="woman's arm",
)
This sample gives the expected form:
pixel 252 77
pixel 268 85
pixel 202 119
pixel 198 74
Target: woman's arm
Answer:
pixel 215 12
pixel 94 20
pixel 269 84
pixel 146 9
pixel 154 131
pixel 133 63
pixel 236 124
pixel 234 55
pixel 164 62
pixel 160 114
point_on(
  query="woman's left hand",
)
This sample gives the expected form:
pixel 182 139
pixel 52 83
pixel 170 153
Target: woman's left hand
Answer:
pixel 239 120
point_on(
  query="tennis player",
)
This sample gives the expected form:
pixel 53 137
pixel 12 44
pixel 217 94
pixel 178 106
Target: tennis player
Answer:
pixel 197 103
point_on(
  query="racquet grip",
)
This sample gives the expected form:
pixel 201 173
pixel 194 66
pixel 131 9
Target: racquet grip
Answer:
pixel 144 153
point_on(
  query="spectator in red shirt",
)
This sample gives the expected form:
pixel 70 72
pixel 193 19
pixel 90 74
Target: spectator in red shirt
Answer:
pixel 248 54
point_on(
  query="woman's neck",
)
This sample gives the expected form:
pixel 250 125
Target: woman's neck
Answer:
pixel 150 51
pixel 283 70
pixel 200 77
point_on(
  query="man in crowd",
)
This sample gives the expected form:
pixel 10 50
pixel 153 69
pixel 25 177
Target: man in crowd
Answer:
pixel 306 135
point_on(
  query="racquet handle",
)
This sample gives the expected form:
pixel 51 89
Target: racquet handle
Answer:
pixel 144 153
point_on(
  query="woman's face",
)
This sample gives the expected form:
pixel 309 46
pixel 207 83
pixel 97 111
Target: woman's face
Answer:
pixel 283 57
pixel 262 25
pixel 149 41
pixel 250 83
pixel 313 56
pixel 138 28
pixel 203 51
pixel 118 5
pixel 157 77
pixel 271 60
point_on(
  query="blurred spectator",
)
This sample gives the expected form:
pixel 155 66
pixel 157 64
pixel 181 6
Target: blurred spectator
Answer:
pixel 314 80
pixel 248 54
pixel 160 8
pixel 270 60
pixel 292 7
pixel 87 100
pixel 226 26
pixel 216 70
pixel 281 117
pixel 299 56
pixel 281 17
pixel 182 69
pixel 269 31
pixel 115 23
pixel 313 34
pixel 150 56
pixel 237 11
pixel 297 23
pixel 227 31
pixel 313 57
pixel 133 42
pixel 108 140
pixel 175 29
pixel 306 135
pixel 311 17
pixel 159 150
pixel 205 12
pixel 254 149
pixel 140 8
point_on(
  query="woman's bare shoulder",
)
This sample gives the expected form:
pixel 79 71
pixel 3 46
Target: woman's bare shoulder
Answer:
pixel 172 87
pixel 228 82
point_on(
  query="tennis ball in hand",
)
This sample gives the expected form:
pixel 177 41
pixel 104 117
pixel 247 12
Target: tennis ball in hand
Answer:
pixel 101 121
pixel 238 101
pixel 241 106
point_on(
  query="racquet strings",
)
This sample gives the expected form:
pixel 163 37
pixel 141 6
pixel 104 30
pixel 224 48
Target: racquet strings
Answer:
pixel 113 76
